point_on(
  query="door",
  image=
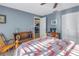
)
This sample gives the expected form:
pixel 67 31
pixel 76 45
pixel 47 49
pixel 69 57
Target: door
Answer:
pixel 43 27
pixel 69 27
pixel 77 22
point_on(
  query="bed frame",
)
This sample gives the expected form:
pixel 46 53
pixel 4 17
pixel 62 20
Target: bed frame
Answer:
pixel 23 36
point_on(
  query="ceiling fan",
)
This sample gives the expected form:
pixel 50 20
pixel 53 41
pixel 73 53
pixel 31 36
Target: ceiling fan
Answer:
pixel 55 4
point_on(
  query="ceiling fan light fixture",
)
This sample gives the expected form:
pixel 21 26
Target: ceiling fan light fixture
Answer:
pixel 42 3
pixel 55 5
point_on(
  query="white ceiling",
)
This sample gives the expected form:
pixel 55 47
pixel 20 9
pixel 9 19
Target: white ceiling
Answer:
pixel 36 8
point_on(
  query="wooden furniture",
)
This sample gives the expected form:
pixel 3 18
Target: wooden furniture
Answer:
pixel 55 34
pixel 23 37
pixel 3 46
pixel 17 43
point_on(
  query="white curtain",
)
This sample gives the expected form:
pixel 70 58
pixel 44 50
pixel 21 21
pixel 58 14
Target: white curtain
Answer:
pixel 70 26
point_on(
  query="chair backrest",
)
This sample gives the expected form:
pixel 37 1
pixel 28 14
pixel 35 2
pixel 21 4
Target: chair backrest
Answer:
pixel 2 38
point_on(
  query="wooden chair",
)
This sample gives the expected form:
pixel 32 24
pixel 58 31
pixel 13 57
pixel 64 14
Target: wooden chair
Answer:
pixel 3 46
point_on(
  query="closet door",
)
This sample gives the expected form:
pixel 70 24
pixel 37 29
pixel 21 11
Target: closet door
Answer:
pixel 43 27
pixel 77 22
pixel 69 27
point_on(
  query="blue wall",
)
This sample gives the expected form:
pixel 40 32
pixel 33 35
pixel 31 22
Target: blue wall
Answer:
pixel 58 15
pixel 15 20
pixel 54 16
pixel 49 18
pixel 23 21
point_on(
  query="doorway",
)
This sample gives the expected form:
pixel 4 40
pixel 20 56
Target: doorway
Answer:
pixel 37 27
pixel 40 27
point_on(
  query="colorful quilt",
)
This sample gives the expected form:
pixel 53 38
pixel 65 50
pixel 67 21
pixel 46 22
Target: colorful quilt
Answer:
pixel 48 46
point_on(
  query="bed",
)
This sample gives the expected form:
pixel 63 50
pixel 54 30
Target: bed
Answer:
pixel 48 46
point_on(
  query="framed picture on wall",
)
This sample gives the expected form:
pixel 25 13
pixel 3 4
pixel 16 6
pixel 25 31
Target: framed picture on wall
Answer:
pixel 2 19
pixel 54 22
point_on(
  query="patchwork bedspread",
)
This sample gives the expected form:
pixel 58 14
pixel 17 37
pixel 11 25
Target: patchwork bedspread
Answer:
pixel 48 46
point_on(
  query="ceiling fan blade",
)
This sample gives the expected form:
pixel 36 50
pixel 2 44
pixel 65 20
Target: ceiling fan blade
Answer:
pixel 55 5
pixel 42 3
